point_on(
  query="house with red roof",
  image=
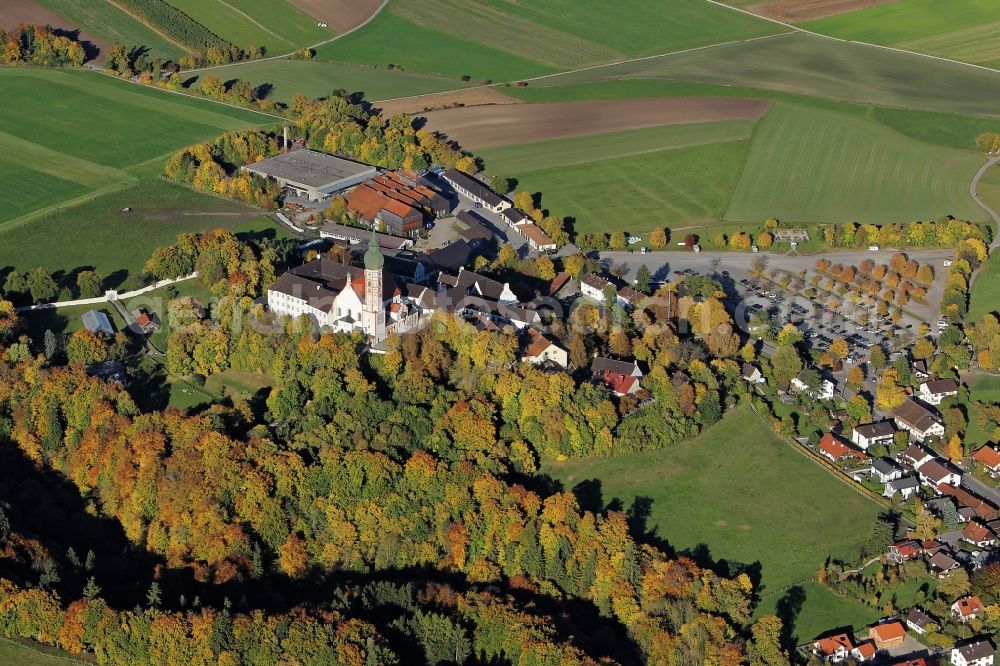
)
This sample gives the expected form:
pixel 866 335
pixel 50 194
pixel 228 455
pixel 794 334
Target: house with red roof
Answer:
pixel 967 609
pixel 888 634
pixel 618 383
pixel 835 448
pixel 902 551
pixel 978 535
pixel 988 456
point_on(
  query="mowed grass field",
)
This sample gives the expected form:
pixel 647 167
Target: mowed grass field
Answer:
pixel 276 25
pixel 96 234
pixel 65 135
pixel 985 294
pixel 740 492
pixel 501 40
pixel 511 160
pixel 315 78
pixel 108 22
pixel 802 64
pixel 676 187
pixel 16 654
pixel 809 165
pixel 967 30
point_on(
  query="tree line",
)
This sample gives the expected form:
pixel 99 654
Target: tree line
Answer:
pixel 39 45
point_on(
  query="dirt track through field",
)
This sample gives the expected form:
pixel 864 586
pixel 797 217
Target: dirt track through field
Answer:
pixel 478 96
pixel 341 15
pixel 14 12
pixel 805 10
pixel 496 125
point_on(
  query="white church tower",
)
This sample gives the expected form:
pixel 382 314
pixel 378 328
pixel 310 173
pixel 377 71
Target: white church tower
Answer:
pixel 373 313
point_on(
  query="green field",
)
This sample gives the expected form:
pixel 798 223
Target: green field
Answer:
pixel 821 610
pixel 519 158
pixel 96 234
pixel 685 185
pixel 276 25
pixel 803 64
pixel 501 40
pixel 985 294
pixel 16 654
pixel 967 30
pixel 743 493
pixel 315 78
pixel 808 165
pixel 53 158
pixel 106 21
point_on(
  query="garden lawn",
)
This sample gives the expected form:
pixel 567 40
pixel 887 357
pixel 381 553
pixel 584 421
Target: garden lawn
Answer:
pixel 986 389
pixel 689 186
pixel 742 493
pixel 106 21
pixel 276 25
pixel 803 64
pixel 504 41
pixel 810 165
pixel 315 78
pixel 579 150
pixel 96 234
pixel 985 294
pixel 967 30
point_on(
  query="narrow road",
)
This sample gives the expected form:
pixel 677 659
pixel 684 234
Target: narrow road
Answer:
pixel 977 487
pixel 974 191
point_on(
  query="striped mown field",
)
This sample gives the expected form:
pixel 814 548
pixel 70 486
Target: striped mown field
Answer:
pixel 70 134
pixel 967 30
pixel 810 165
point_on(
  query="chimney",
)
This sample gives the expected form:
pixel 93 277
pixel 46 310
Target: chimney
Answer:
pixel 285 135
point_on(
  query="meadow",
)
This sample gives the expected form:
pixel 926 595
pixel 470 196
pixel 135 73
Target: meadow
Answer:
pixel 740 494
pixel 503 41
pixel 518 158
pixel 16 654
pixel 276 25
pixel 54 159
pixel 965 30
pixel 984 296
pixel 316 78
pixel 802 64
pixel 686 186
pixel 96 234
pixel 808 165
pixel 106 21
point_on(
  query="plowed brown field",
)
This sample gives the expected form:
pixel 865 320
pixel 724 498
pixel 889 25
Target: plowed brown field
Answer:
pixel 792 11
pixel 498 125
pixel 14 12
pixel 478 96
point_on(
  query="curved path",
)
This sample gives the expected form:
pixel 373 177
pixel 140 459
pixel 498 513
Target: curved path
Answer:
pixel 378 10
pixel 974 191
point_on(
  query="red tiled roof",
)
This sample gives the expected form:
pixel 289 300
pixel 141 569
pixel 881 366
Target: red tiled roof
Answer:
pixel 890 631
pixel 621 384
pixel 557 284
pixel 988 456
pixel 982 508
pixel 867 650
pixel 969 606
pixel 538 344
pixel 831 644
pixel 535 233
pixel 976 533
pixel 907 548
pixel 837 448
